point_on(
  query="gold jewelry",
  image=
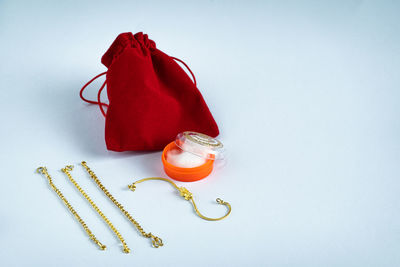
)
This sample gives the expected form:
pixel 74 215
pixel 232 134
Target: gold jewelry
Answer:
pixel 156 241
pixel 67 170
pixel 43 170
pixel 186 195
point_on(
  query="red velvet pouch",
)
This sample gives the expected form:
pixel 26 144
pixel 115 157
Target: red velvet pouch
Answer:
pixel 151 98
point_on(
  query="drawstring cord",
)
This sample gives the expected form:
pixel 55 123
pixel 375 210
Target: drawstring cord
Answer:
pixel 98 98
pixel 101 104
pixel 98 102
pixel 191 73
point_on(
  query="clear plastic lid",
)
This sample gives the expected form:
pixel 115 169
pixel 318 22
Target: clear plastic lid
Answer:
pixel 201 145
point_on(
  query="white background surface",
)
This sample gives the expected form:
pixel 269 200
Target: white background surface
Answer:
pixel 306 95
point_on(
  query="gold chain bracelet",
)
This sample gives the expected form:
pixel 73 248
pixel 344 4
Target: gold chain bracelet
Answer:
pixel 156 241
pixel 186 194
pixel 67 170
pixel 43 170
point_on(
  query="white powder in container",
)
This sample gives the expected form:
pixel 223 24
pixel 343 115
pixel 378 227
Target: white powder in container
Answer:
pixel 184 159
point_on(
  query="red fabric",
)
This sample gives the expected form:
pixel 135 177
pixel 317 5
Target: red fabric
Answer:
pixel 151 98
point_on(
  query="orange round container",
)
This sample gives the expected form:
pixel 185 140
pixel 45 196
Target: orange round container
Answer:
pixel 185 174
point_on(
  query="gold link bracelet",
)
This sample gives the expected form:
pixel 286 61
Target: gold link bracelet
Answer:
pixel 43 170
pixel 156 241
pixel 186 194
pixel 67 170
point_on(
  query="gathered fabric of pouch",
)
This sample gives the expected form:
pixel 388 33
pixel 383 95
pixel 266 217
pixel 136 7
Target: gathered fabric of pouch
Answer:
pixel 151 98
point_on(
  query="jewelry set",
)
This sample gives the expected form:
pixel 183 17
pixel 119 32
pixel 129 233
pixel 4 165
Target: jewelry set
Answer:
pixel 155 240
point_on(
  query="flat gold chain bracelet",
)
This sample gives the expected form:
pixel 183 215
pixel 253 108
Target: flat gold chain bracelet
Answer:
pixel 156 241
pixel 67 170
pixel 186 194
pixel 43 170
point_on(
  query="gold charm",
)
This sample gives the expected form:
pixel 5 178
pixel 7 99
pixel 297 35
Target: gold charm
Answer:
pixel 67 170
pixel 156 241
pixel 186 195
pixel 43 170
